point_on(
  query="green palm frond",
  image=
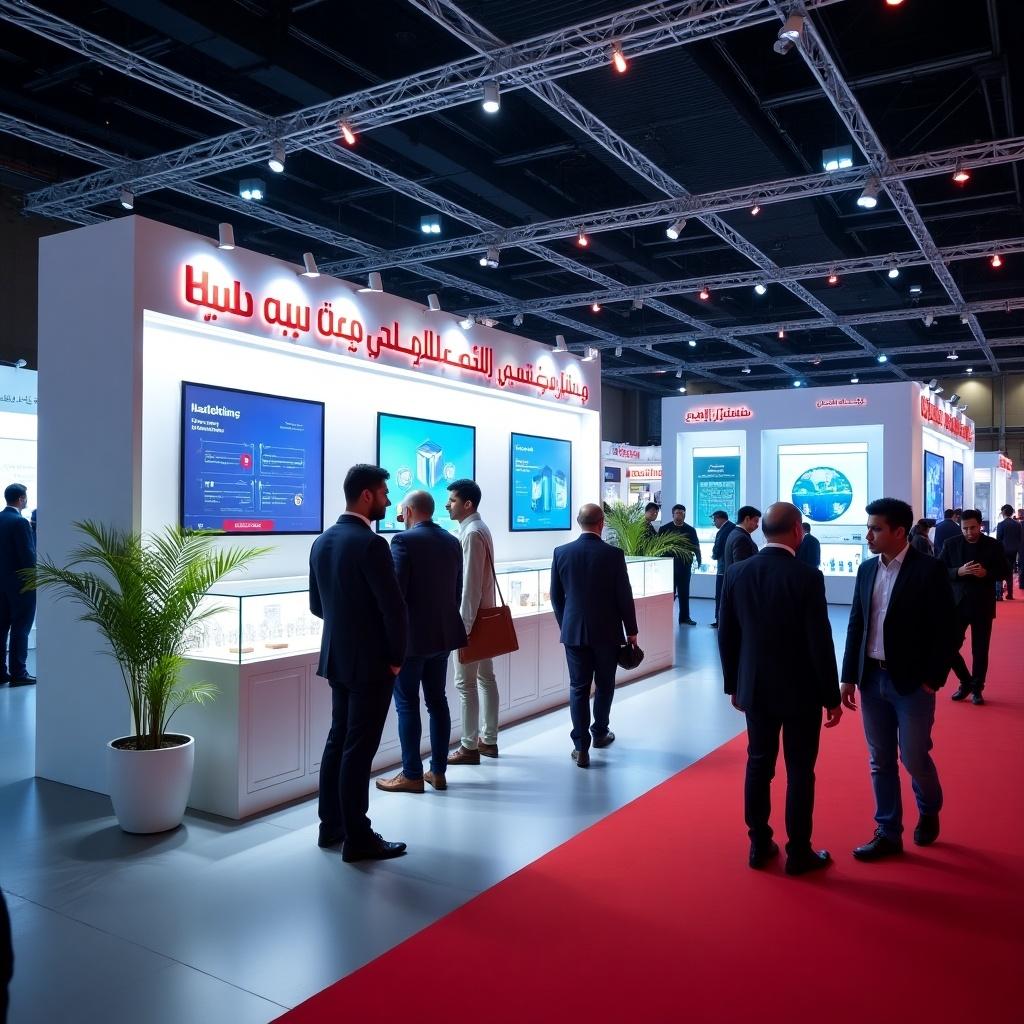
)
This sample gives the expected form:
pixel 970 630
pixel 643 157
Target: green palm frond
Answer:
pixel 629 531
pixel 143 593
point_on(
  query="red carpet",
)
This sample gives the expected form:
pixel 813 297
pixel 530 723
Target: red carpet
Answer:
pixel 653 911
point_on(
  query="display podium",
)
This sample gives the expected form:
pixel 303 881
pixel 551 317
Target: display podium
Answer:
pixel 259 743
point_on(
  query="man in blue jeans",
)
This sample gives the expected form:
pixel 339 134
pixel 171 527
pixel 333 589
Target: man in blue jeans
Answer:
pixel 428 564
pixel 898 652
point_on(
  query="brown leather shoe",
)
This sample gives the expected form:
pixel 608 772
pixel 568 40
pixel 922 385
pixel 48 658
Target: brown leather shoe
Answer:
pixel 487 749
pixel 582 758
pixel 435 779
pixel 400 784
pixel 464 756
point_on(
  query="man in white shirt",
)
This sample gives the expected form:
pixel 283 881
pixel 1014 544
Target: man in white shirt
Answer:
pixel 898 651
pixel 476 683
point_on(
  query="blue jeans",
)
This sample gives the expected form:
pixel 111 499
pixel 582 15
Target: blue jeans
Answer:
pixel 431 671
pixel 894 723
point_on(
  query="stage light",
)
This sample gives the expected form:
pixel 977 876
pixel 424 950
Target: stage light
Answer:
pixel 618 351
pixel 915 289
pixel 893 3
pixel 745 370
pixel 581 239
pixel 969 369
pixel 675 229
pixel 963 319
pixel 961 175
pixel 252 189
pixel 789 34
pixel 692 343
pixel 373 284
pixel 882 357
pixel 560 345
pixel 492 97
pixel 225 236
pixel 933 384
pixel 277 158
pixel 894 272
pixel 649 346
pixel 491 259
pixel 868 199
pixel 347 134
pixel 619 59
pixel 798 383
pixel 953 355
pixel 760 288
pixel 996 260
pixel 833 279
pixel 309 265
pixel 517 320
pixel 430 224
pixel 128 199
pixel 433 303
pixel 682 390
pixel 595 307
pixel 679 373
pixel 782 334
pixel 755 210
pixel 705 294
pixel 590 355
pixel 953 399
pixel 637 304
pixel 837 158
pixel 929 320
pixel 466 323
pixel 855 379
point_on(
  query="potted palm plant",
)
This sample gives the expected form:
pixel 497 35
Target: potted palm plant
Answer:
pixel 143 593
pixel 628 530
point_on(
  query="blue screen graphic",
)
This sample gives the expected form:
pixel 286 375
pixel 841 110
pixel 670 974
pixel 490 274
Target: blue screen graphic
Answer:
pixel 250 463
pixel 958 484
pixel 540 488
pixel 423 455
pixel 823 493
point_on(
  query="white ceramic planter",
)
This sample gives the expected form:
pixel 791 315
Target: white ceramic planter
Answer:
pixel 150 788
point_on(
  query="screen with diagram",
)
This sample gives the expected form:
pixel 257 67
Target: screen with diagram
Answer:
pixel 827 482
pixel 250 463
pixel 540 483
pixel 423 455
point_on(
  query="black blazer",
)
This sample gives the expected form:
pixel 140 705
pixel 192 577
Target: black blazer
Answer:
pixel 738 547
pixel 690 534
pixel 1008 533
pixel 774 636
pixel 919 628
pixel 945 530
pixel 718 548
pixel 591 594
pixel 428 564
pixel 973 594
pixel 17 550
pixel 809 551
pixel 352 587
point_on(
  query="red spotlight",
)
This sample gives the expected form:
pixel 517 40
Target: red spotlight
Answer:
pixel 596 307
pixel 347 134
pixel 833 278
pixel 961 175
pixel 619 59
pixel 755 210
pixel 996 260
pixel 581 239
pixel 782 334
pixel 705 294
pixel 893 3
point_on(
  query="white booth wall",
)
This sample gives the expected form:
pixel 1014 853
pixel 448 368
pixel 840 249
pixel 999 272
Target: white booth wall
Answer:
pixel 993 486
pixel 638 468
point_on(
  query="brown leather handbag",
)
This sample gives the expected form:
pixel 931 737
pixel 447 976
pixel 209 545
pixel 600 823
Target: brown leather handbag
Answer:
pixel 493 632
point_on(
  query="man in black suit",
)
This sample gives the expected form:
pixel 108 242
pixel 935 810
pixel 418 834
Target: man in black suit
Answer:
pixel 593 601
pixel 809 551
pixel 974 562
pixel 352 587
pixel 1008 533
pixel 739 545
pixel 652 511
pixel 681 567
pixel 428 564
pixel 948 528
pixel 724 525
pixel 17 610
pixel 779 665
pixel 898 653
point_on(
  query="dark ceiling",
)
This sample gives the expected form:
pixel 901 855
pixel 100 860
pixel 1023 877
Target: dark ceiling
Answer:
pixel 713 114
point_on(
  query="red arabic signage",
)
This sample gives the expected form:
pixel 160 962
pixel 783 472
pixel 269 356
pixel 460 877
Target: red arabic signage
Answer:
pixel 329 328
pixel 841 403
pixel 622 452
pixel 644 472
pixel 1006 463
pixel 718 414
pixel 949 422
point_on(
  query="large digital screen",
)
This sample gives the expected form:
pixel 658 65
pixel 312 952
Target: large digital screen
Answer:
pixel 250 463
pixel 958 484
pixel 540 484
pixel 934 485
pixel 827 482
pixel 613 474
pixel 423 455
pixel 716 484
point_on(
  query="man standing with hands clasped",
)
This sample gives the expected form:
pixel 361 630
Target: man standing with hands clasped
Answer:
pixel 898 652
pixel 681 567
pixel 779 665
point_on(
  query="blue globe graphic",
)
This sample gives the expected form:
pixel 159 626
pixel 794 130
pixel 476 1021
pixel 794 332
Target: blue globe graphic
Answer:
pixel 822 494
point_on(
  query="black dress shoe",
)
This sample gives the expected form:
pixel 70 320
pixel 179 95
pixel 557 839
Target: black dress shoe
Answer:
pixel 604 741
pixel 879 846
pixel 23 680
pixel 4 678
pixel 804 863
pixel 330 837
pixel 976 697
pixel 927 830
pixel 761 853
pixel 714 625
pixel 375 848
pixel 582 758
pixel 688 622
pixel 963 691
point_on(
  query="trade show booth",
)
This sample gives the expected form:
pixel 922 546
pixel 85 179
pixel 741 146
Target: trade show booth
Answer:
pixel 630 473
pixel 994 486
pixel 228 391
pixel 827 450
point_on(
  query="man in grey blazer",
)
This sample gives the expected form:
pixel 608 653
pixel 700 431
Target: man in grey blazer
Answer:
pixel 476 683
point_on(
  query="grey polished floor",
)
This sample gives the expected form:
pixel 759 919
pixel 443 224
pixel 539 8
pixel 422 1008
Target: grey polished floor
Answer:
pixel 220 921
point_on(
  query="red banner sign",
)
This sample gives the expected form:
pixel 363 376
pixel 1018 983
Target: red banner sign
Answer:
pixel 1006 463
pixel 841 403
pixel 949 422
pixel 718 414
pixel 644 472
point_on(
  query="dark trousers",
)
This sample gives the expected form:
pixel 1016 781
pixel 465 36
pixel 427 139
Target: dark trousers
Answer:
pixel 719 580
pixel 16 614
pixel 1011 559
pixel 357 721
pixel 681 584
pixel 431 671
pixel 590 665
pixel 980 622
pixel 6 957
pixel 800 734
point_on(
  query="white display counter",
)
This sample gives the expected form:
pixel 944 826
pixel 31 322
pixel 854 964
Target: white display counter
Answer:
pixel 259 743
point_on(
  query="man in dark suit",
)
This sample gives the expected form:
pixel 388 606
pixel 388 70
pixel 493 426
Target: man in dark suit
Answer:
pixel 974 562
pixel 428 564
pixel 724 525
pixel 739 545
pixel 593 601
pixel 898 653
pixel 652 512
pixel 779 665
pixel 17 610
pixel 948 528
pixel 352 587
pixel 1008 533
pixel 809 551
pixel 681 567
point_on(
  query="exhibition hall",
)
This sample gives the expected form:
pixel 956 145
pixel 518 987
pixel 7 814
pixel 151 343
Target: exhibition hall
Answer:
pixel 511 510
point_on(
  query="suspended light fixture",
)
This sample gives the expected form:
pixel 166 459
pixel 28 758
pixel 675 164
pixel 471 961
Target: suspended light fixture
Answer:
pixel 855 379
pixel 595 307
pixel 995 260
pixel 929 319
pixel 837 158
pixel 649 346
pixel 581 239
pixel 969 369
pixel 833 278
pixel 961 175
pixel 882 357
pixel 277 157
pixel 675 229
pixel 705 294
pixel 798 383
pixel 560 345
pixel 682 390
pixel 745 370
pixel 953 355
pixel 492 97
pixel 915 289
pixel 225 236
pixel 637 304
pixel 692 343
pixel 868 199
pixel 618 351
pixel 466 323
pixel 127 199
pixel 252 189
pixel 619 59
pixel 760 288
pixel 894 272
pixel 679 373
pixel 430 224
pixel 373 284
pixel 590 354
pixel 309 265
pixel 755 209
pixel 789 34
pixel 491 259
pixel 517 320
pixel 782 334
pixel 347 134
pixel 893 3
pixel 433 303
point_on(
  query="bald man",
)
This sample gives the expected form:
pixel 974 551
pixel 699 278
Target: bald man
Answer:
pixel 593 605
pixel 779 665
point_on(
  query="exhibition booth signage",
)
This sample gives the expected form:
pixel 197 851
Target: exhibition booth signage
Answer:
pixel 946 419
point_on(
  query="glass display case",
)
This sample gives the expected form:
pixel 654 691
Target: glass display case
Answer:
pixel 842 559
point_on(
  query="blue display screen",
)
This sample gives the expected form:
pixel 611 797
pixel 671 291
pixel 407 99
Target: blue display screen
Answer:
pixel 423 455
pixel 540 483
pixel 250 463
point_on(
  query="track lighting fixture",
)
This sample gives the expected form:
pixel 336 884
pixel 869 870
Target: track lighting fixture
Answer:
pixel 798 383
pixel 932 384
pixel 868 199
pixel 619 59
pixel 491 259
pixel 760 288
pixel 705 294
pixel 517 320
pixel 855 379
pixel 225 236
pixel 277 157
pixel 682 389
pixel 755 209
pixel 466 323
pixel 953 354
pixel 995 260
pixel 581 239
pixel 347 134
pixel 894 272
pixel 310 268
pixel 961 175
pixel 128 200
pixel 595 307
pixel 675 229
pixel 692 343
pixel 373 284
pixel 492 97
pixel 953 399
pixel 433 303
pixel 560 345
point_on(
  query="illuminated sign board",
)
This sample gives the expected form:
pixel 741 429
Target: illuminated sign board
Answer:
pixel 951 423
pixel 718 414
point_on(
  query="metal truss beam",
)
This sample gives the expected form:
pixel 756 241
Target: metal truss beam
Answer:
pixel 825 69
pixel 646 29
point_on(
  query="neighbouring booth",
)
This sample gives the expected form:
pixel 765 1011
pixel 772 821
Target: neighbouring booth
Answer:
pixel 630 473
pixel 828 450
pixel 225 390
pixel 994 486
